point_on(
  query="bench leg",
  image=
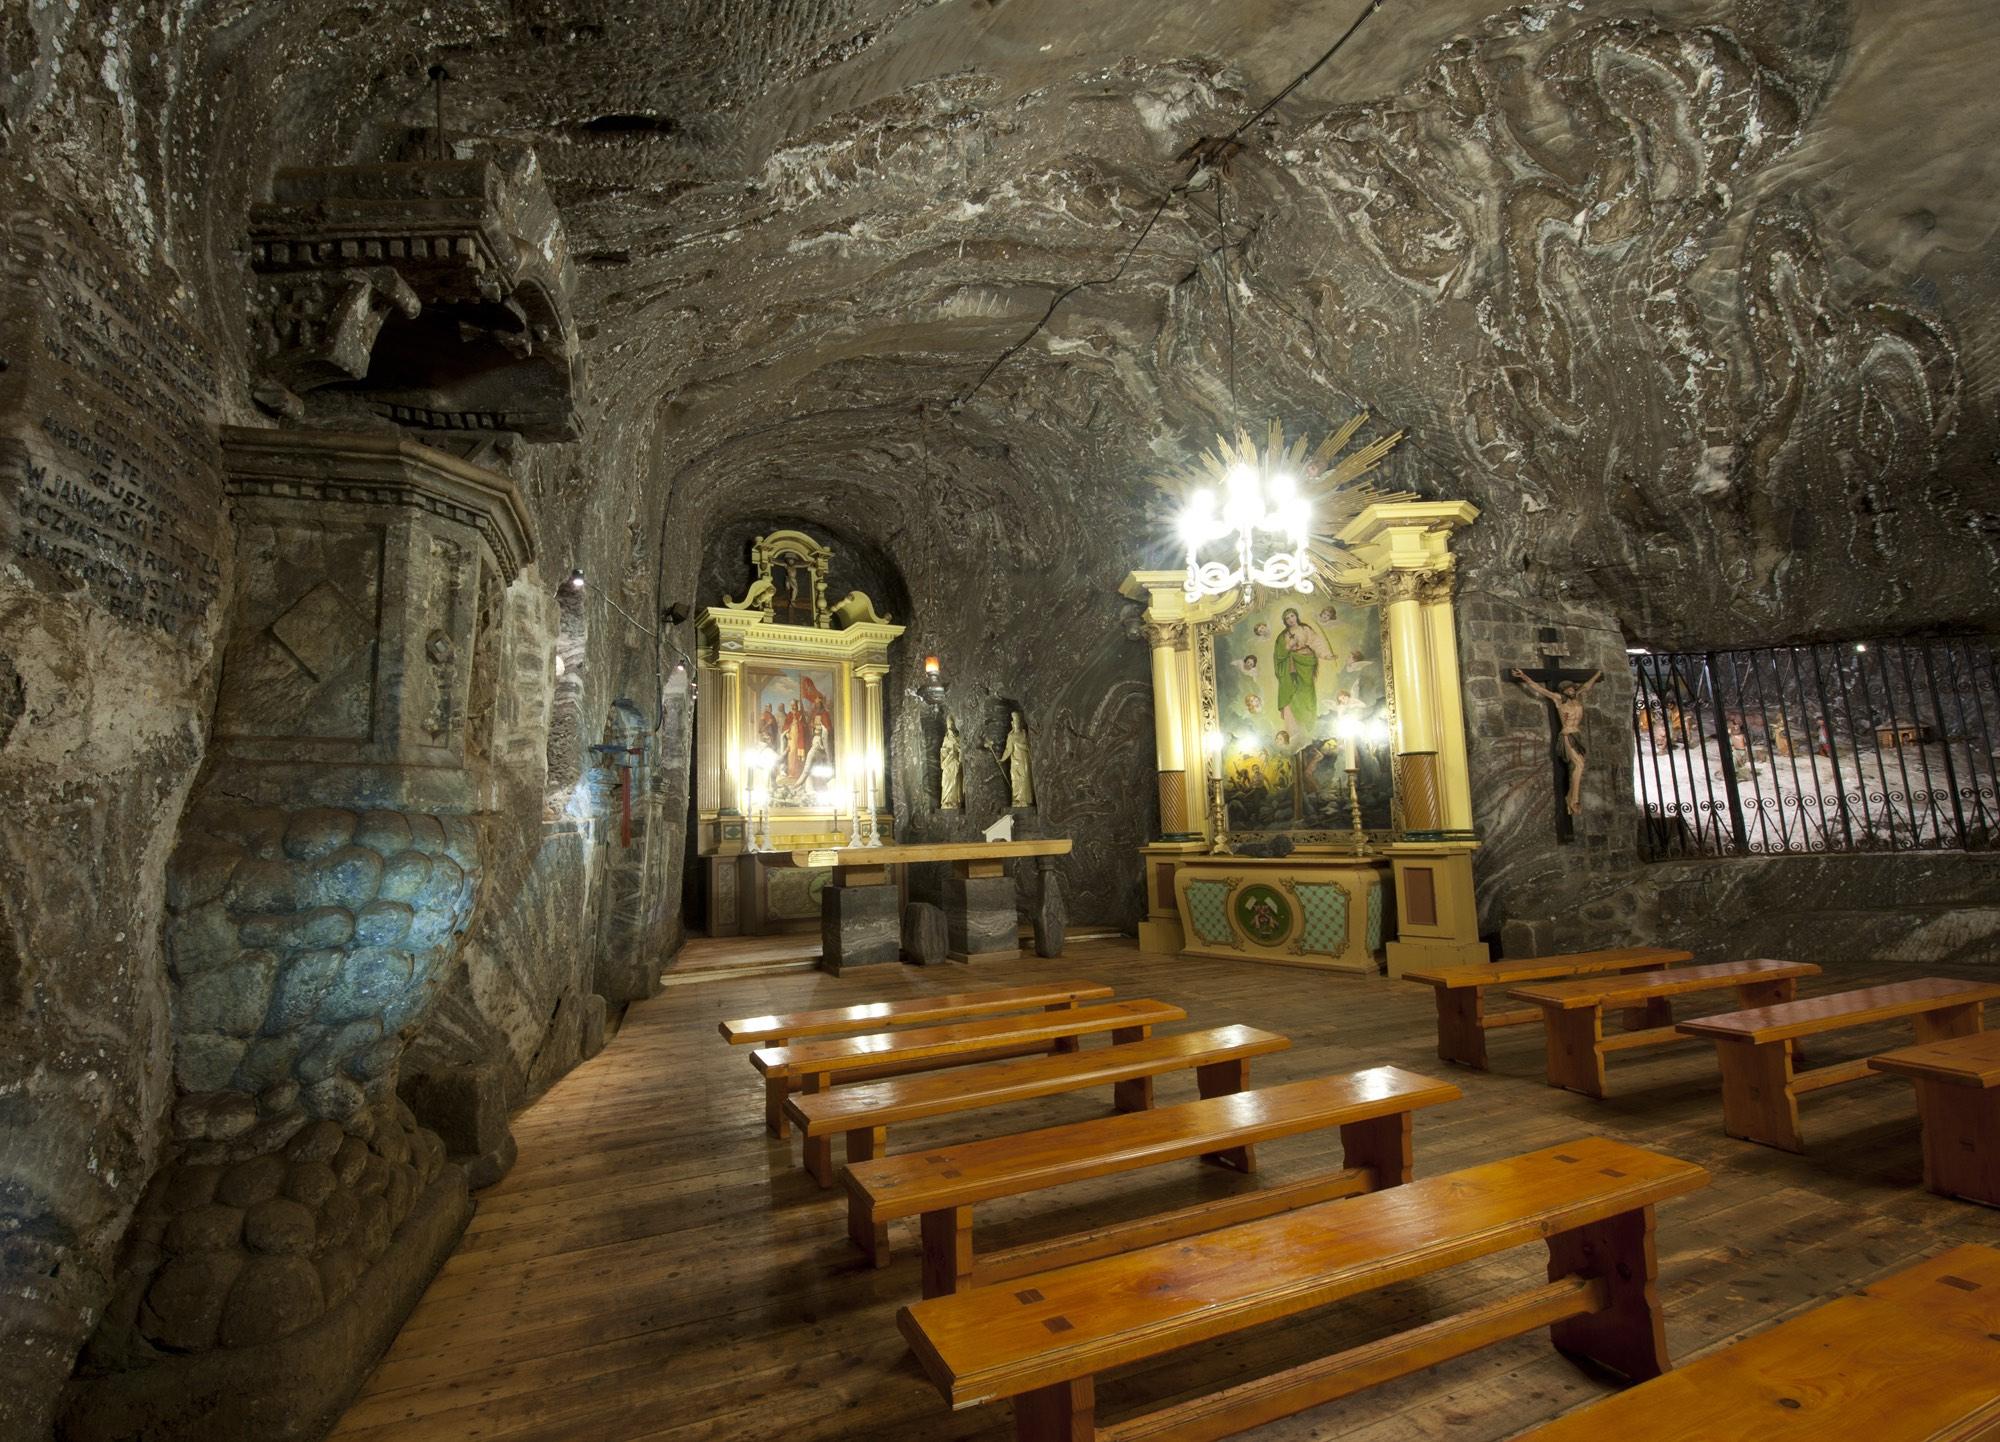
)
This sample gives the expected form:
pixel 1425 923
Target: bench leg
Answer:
pixel 1758 1104
pixel 1381 1144
pixel 871 1237
pixel 1461 1038
pixel 1767 993
pixel 1064 1043
pixel 1657 1012
pixel 776 1090
pixel 1132 1095
pixel 1130 1033
pixel 1575 1063
pixel 1226 1078
pixel 1629 1336
pixel 947 1244
pixel 1952 1021
pixel 1066 1412
pixel 1961 1140
pixel 818 1150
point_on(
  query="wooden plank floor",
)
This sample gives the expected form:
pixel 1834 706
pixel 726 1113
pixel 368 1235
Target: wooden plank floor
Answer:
pixel 655 1267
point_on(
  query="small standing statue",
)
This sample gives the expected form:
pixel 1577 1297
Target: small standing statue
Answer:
pixel 951 772
pixel 1013 759
pixel 1569 711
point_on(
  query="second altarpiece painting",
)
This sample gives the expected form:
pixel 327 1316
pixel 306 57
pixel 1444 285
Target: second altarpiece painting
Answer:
pixel 1293 673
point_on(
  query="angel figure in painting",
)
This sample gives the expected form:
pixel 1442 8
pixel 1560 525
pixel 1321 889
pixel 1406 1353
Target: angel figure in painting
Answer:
pixel 951 770
pixel 1013 759
pixel 1295 659
pixel 1569 712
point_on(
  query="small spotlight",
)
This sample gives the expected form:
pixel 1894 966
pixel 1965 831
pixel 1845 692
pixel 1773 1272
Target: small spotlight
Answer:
pixel 1861 645
pixel 575 581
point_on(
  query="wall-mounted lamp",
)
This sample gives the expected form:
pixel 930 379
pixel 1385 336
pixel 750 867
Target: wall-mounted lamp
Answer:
pixel 933 686
pixel 575 581
pixel 675 614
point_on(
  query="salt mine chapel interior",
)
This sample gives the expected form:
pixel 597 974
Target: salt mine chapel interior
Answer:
pixel 945 720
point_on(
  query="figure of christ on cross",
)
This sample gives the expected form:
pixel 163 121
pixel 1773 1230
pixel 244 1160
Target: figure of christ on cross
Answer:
pixel 1567 698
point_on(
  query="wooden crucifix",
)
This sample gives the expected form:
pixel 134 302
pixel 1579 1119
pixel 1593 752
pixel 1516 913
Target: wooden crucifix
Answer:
pixel 1565 691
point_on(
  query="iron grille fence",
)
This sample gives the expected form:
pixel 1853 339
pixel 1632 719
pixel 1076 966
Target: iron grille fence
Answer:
pixel 1875 746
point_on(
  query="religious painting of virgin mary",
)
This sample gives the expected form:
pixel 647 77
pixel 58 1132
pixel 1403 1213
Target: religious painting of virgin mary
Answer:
pixel 1288 673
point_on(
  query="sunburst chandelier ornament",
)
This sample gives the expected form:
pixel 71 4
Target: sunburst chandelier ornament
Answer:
pixel 1241 491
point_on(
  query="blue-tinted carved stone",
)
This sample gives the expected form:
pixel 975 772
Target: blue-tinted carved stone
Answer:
pixel 302 984
pixel 387 832
pixel 382 923
pixel 269 886
pixel 347 878
pixel 404 876
pixel 204 938
pixel 200 873
pixel 206 1063
pixel 229 1001
pixel 426 833
pixel 266 1062
pixel 369 980
pixel 310 835
pixel 328 926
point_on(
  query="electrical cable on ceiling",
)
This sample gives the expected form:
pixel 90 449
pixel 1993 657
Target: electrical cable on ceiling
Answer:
pixel 1196 178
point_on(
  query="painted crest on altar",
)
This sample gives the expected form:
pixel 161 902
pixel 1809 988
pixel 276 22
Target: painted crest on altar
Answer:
pixel 1289 671
pixel 792 712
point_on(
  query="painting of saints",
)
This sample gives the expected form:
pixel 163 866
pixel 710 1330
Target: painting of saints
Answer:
pixel 1295 660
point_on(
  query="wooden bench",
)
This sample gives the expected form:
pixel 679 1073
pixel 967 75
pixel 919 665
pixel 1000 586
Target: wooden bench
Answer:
pixel 1760 1084
pixel 1914 1357
pixel 813 1066
pixel 779 1028
pixel 863 1113
pixel 1958 1098
pixel 1573 1011
pixel 1463 1019
pixel 941 1186
pixel 1043 1339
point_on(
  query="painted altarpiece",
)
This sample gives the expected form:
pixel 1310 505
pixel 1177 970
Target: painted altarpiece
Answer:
pixel 783 670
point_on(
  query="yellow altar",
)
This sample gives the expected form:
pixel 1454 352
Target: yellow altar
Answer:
pixel 1258 704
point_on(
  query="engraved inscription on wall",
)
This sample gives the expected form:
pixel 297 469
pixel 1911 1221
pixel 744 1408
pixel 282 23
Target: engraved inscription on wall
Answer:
pixel 110 478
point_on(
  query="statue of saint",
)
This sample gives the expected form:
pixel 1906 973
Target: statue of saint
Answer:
pixel 1013 759
pixel 951 773
pixel 1569 711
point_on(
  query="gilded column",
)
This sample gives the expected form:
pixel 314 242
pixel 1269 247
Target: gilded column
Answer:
pixel 1169 645
pixel 730 794
pixel 1413 665
pixel 871 674
pixel 1454 774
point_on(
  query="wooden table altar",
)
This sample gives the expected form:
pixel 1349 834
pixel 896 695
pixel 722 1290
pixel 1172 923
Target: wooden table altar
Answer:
pixel 861 913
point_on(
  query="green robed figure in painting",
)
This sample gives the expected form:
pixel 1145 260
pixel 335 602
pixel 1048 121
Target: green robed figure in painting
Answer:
pixel 1295 659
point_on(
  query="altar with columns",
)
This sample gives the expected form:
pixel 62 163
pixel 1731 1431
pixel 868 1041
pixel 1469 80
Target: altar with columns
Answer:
pixel 1315 804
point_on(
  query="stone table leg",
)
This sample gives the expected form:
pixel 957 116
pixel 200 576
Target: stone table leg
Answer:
pixel 859 919
pixel 980 914
pixel 1051 917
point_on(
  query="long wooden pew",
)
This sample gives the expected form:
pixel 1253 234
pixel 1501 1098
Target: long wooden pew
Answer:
pixel 1043 1339
pixel 775 1029
pixel 941 1186
pixel 1462 1017
pixel 813 1066
pixel 1958 1098
pixel 1761 1085
pixel 1573 1011
pixel 1914 1357
pixel 863 1112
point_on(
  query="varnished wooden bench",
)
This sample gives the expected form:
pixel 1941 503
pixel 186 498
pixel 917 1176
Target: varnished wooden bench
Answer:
pixel 1043 1339
pixel 778 1028
pixel 1760 1086
pixel 1958 1098
pixel 863 1113
pixel 941 1186
pixel 1463 1019
pixel 1573 1011
pixel 1914 1357
pixel 813 1066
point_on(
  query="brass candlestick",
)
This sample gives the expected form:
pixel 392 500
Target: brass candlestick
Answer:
pixel 1354 807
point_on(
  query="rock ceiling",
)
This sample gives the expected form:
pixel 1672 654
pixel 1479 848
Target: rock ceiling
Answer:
pixel 1694 292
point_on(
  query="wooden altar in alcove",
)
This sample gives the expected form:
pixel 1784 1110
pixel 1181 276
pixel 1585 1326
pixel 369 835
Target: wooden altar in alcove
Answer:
pixel 1384 638
pixel 790 710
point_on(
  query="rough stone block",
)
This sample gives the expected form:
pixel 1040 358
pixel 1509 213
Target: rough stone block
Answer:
pixel 926 937
pixel 591 1041
pixel 465 1105
pixel 858 926
pixel 1528 937
pixel 981 915
pixel 1051 916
